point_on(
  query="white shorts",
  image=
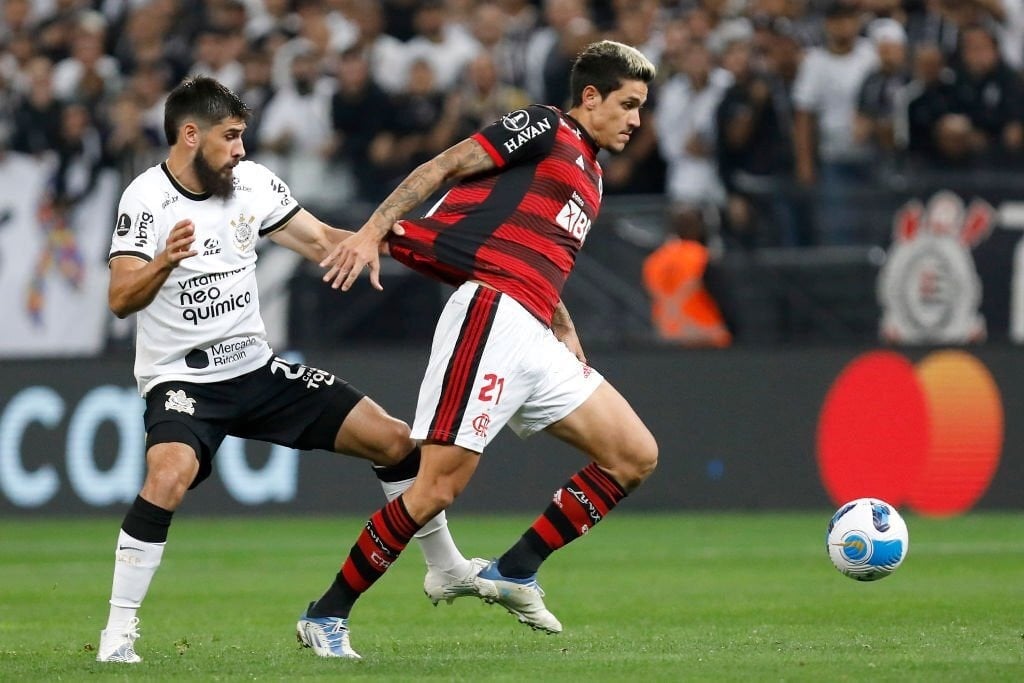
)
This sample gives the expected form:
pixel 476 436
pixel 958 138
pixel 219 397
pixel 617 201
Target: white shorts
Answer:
pixel 492 363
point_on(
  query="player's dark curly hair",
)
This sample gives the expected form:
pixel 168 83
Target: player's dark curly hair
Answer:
pixel 605 65
pixel 204 100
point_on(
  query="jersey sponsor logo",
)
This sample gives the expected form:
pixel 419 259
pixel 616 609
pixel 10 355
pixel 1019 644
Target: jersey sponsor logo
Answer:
pixel 211 246
pixel 244 234
pixel 574 219
pixel 238 186
pixel 586 503
pixel 168 199
pixel 282 189
pixel 142 230
pixel 313 377
pixel 230 352
pixel 517 120
pixel 179 402
pixel 527 134
pixel 124 225
pixel 201 299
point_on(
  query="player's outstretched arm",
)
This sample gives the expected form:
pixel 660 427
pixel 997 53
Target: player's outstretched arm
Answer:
pixel 134 283
pixel 310 237
pixel 565 331
pixel 347 260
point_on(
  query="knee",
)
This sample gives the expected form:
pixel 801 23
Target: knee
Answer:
pixel 166 486
pixel 397 444
pixel 637 462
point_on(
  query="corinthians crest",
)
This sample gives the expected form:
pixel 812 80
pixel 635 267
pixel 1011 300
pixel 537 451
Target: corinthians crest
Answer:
pixel 244 232
pixel 929 287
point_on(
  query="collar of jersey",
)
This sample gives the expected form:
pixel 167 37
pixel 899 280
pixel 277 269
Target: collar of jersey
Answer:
pixel 181 188
pixel 583 131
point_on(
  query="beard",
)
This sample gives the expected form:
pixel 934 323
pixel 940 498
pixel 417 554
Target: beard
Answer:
pixel 218 183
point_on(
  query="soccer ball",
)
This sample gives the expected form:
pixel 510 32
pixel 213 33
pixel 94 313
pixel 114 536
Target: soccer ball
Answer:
pixel 867 539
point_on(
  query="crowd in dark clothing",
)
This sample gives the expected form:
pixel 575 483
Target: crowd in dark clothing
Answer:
pixel 756 103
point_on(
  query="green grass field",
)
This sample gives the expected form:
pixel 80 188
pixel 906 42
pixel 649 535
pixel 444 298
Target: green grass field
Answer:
pixel 668 597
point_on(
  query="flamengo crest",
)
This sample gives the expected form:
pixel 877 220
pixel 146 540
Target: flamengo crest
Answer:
pixel 929 287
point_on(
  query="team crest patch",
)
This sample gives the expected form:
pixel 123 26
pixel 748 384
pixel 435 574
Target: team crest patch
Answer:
pixel 244 232
pixel 480 424
pixel 179 402
pixel 929 288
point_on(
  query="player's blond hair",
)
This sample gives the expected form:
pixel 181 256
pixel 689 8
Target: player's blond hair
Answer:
pixel 605 65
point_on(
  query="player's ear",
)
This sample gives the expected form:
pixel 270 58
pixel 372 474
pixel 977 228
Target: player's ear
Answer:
pixel 189 133
pixel 591 97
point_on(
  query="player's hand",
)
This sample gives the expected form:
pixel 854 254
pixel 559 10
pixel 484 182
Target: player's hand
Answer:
pixel 569 337
pixel 179 244
pixel 347 260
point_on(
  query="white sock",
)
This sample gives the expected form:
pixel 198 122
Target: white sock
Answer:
pixel 435 540
pixel 135 563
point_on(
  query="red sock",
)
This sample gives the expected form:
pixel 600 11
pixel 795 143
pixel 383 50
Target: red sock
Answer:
pixel 581 503
pixel 379 544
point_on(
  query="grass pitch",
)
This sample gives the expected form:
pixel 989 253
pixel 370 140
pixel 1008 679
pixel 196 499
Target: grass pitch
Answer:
pixel 666 597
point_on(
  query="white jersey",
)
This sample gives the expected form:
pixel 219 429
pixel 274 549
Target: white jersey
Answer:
pixel 204 324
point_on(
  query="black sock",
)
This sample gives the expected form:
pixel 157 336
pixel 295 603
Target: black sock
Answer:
pixel 524 558
pixel 337 601
pixel 406 469
pixel 147 522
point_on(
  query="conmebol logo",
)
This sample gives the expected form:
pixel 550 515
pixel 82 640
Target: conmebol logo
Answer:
pixel 928 436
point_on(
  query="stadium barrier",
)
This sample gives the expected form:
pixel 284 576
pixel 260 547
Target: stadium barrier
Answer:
pixel 782 428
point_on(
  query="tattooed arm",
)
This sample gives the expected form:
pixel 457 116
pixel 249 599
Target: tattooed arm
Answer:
pixel 361 250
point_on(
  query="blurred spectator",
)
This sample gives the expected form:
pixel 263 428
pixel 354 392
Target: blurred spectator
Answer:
pixel 439 43
pixel 296 132
pixel 685 126
pixel 131 146
pixel 487 25
pixel 87 75
pixel 483 98
pixel 825 99
pixel 755 154
pixel 421 123
pixel 217 51
pixel 884 89
pixel 37 118
pixel 522 19
pixel 682 310
pixel 149 85
pixel 358 108
pixel 15 19
pixel 543 48
pixel 384 53
pixel 271 16
pixel 929 98
pixel 256 91
pixel 987 106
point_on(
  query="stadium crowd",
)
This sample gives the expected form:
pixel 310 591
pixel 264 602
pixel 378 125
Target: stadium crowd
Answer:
pixel 765 114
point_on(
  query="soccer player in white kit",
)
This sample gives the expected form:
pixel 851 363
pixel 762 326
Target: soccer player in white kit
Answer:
pixel 527 189
pixel 183 258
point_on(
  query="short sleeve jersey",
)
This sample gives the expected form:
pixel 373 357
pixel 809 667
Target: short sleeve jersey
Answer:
pixel 518 227
pixel 204 324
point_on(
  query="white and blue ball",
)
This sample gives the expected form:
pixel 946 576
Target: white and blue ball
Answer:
pixel 867 539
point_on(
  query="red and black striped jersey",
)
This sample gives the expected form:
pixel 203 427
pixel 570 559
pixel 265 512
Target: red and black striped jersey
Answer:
pixel 518 227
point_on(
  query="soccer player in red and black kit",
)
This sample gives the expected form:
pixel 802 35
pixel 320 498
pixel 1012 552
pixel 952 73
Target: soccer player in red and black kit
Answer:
pixel 505 351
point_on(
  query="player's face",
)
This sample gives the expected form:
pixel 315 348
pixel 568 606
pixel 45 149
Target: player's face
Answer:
pixel 220 150
pixel 614 117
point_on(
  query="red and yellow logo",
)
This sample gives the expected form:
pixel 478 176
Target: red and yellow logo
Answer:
pixel 928 436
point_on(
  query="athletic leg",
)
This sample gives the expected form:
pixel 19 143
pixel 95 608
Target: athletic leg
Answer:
pixel 171 468
pixel 443 474
pixel 370 432
pixel 624 454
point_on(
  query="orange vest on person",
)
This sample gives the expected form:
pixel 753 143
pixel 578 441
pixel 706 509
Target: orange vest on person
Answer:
pixel 682 310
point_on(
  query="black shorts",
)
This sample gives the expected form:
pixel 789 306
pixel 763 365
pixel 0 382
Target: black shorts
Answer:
pixel 285 403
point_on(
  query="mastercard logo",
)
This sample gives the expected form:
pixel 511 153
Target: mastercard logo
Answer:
pixel 927 436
